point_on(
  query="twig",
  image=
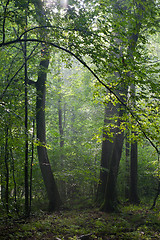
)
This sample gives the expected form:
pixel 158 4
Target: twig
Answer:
pixel 85 236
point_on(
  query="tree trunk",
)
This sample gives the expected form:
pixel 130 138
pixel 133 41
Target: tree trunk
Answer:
pixel 110 198
pixel 133 174
pixel 134 163
pixel 107 150
pixel 26 127
pixel 14 180
pixel 127 182
pixel 157 194
pixel 6 158
pixel 49 181
pixel 31 164
pixel 61 124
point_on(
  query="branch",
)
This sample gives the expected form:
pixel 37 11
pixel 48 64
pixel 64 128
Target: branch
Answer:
pixel 60 28
pixel 30 55
pixel 2 95
pixel 31 82
pixel 4 20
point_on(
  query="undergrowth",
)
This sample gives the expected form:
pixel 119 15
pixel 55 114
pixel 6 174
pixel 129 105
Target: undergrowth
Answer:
pixel 133 222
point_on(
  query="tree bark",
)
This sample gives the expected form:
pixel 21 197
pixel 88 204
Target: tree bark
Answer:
pixel 133 174
pixel 6 158
pixel 110 197
pixel 60 117
pixel 62 184
pixel 157 194
pixel 31 164
pixel 26 125
pixel 134 162
pixel 14 179
pixel 49 181
pixel 127 182
pixel 107 150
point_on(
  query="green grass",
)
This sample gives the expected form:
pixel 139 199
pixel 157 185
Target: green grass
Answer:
pixel 132 223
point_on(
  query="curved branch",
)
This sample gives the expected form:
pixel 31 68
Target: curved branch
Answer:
pixel 60 28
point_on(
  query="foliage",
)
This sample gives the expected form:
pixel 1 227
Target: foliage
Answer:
pixel 147 173
pixel 95 33
pixel 82 118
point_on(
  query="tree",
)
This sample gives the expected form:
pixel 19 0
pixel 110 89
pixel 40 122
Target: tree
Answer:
pixel 110 200
pixel 52 191
pixel 107 150
pixel 51 187
pixel 110 197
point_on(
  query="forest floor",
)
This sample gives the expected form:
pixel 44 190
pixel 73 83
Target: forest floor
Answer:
pixel 131 223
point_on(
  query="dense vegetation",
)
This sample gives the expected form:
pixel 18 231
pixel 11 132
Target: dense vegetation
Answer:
pixel 79 104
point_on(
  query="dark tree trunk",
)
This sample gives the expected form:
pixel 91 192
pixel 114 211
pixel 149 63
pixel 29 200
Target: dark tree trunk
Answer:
pixel 6 158
pixel 49 181
pixel 157 194
pixel 14 180
pixel 133 174
pixel 26 128
pixel 31 169
pixel 2 176
pixel 127 146
pixel 110 198
pixel 107 150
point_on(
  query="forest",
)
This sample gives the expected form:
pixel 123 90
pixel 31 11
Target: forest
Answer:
pixel 79 114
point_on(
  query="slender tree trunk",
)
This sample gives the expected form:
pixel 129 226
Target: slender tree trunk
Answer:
pixel 134 163
pixel 26 128
pixel 2 189
pixel 158 187
pixel 127 182
pixel 61 142
pixel 6 158
pixel 49 181
pixel 60 117
pixel 133 174
pixel 14 180
pixel 156 196
pixel 31 166
pixel 3 172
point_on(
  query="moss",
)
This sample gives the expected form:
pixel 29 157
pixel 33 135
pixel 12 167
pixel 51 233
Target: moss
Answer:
pixel 131 223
